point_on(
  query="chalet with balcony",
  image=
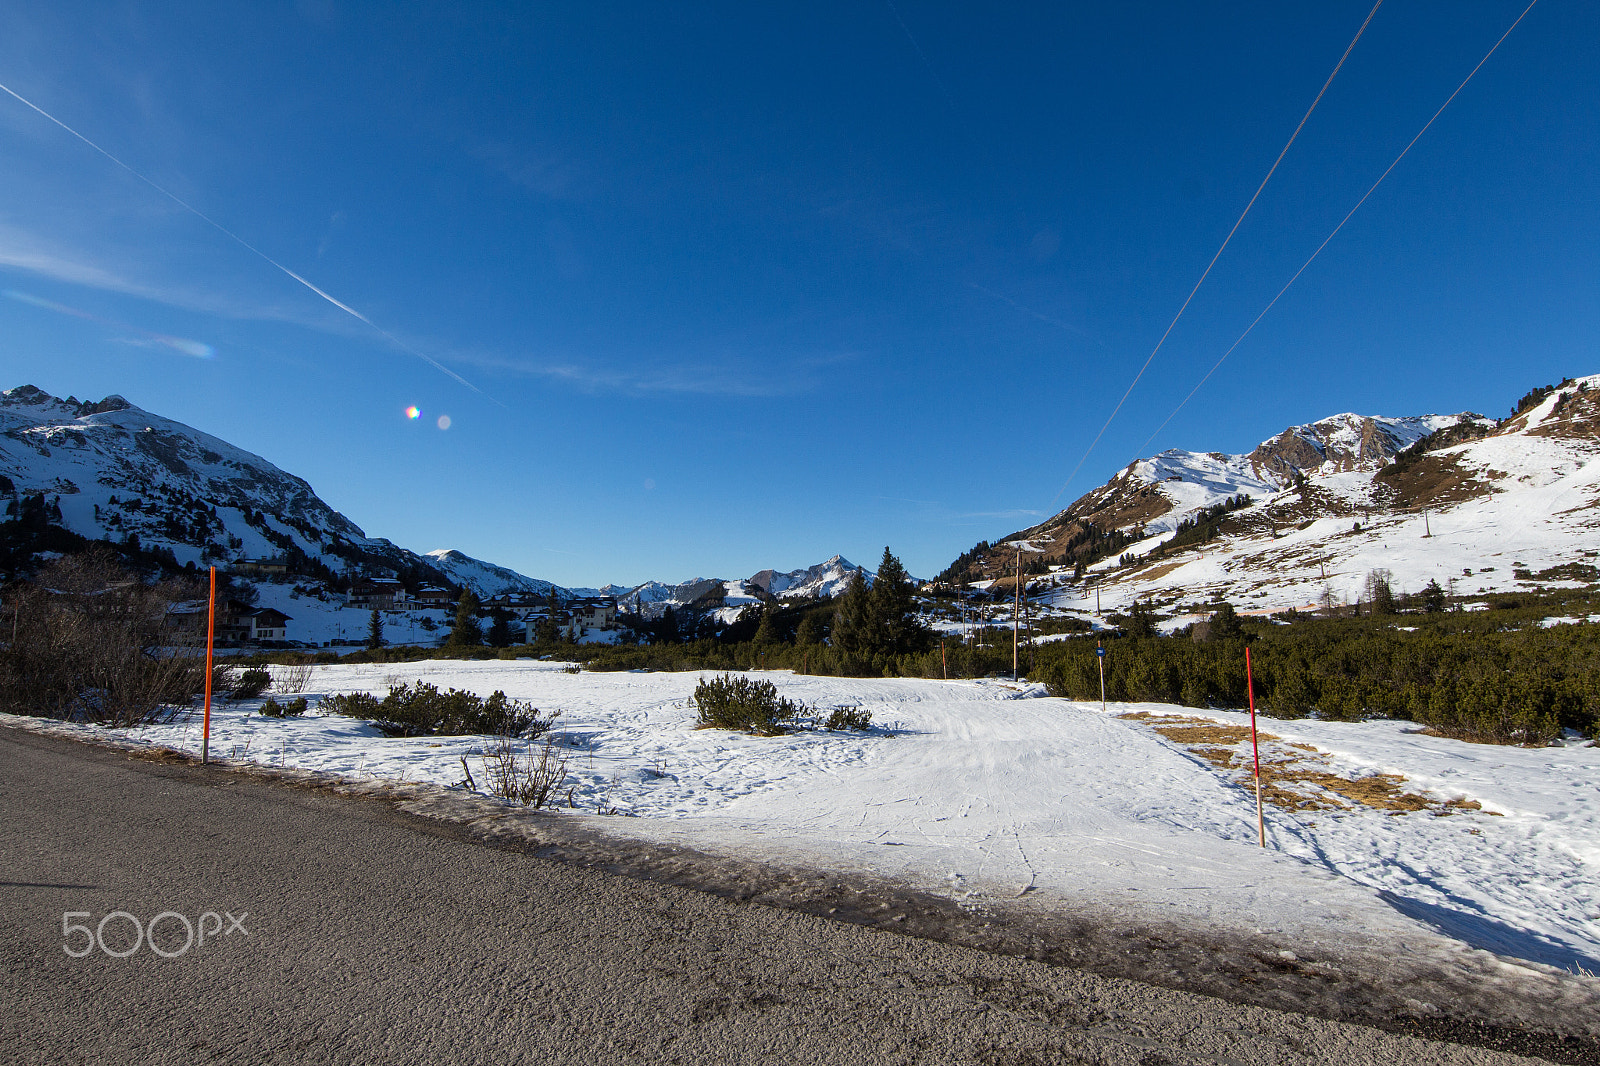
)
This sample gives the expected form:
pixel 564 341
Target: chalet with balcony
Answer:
pixel 377 593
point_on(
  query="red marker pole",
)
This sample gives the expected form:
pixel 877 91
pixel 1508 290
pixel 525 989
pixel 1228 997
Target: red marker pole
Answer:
pixel 1250 689
pixel 211 631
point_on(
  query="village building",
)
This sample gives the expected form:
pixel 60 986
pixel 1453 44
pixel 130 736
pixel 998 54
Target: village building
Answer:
pixel 434 596
pixel 264 567
pixel 593 613
pixel 377 593
pixel 237 623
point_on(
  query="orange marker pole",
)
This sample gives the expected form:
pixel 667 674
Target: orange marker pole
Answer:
pixel 211 632
pixel 1250 689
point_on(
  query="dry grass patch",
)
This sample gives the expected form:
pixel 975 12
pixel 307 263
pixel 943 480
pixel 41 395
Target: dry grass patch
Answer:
pixel 1161 570
pixel 161 754
pixel 1294 777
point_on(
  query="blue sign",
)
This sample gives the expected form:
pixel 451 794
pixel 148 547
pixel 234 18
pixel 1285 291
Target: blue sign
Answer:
pixel 1100 652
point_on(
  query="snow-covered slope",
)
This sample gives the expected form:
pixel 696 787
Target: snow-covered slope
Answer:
pixel 993 797
pixel 117 472
pixel 1478 506
pixel 487 579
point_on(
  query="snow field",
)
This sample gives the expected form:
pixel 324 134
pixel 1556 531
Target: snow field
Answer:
pixel 989 792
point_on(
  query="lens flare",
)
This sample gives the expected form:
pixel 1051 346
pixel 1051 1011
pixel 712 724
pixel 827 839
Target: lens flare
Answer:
pixel 444 421
pixel 413 412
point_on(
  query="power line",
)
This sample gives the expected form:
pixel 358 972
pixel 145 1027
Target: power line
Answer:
pixel 1206 273
pixel 1339 227
pixel 225 231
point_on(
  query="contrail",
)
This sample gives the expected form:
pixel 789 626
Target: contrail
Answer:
pixel 225 231
pixel 1028 310
pixel 932 71
pixel 1339 227
pixel 1320 93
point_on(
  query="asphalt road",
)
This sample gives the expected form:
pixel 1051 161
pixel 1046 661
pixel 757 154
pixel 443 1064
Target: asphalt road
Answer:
pixel 346 932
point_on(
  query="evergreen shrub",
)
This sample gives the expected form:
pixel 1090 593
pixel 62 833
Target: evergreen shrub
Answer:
pixel 421 710
pixel 250 683
pixel 849 719
pixel 293 709
pixel 730 702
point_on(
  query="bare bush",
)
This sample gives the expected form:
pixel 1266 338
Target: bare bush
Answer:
pixel 88 640
pixel 291 679
pixel 522 775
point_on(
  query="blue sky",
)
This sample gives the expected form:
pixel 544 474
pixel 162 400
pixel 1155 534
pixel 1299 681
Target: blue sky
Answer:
pixel 736 286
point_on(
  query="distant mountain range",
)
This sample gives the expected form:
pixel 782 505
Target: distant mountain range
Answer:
pixel 109 470
pixel 1474 503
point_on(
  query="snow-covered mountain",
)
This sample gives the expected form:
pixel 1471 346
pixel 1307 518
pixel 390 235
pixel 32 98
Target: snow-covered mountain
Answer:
pixel 1471 502
pixel 1158 493
pixel 487 579
pixel 827 578
pixel 120 473
pixel 112 471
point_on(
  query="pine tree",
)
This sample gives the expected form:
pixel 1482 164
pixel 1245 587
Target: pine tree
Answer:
pixel 1432 597
pixel 766 631
pixel 1224 623
pixel 852 620
pixel 1380 591
pixel 1141 620
pixel 500 628
pixel 892 609
pixel 809 631
pixel 466 631
pixel 375 630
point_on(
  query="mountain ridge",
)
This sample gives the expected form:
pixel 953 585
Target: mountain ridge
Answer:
pixel 117 472
pixel 1312 512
